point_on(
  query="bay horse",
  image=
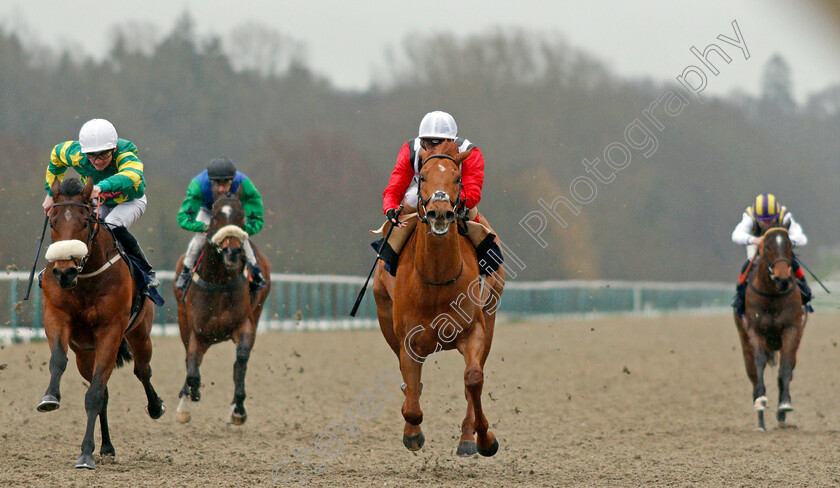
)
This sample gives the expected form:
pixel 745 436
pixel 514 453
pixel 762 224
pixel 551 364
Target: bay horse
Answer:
pixel 219 305
pixel 773 322
pixel 88 292
pixel 437 301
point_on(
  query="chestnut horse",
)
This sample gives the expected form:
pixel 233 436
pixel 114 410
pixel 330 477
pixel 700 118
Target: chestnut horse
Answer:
pixel 219 305
pixel 773 322
pixel 438 302
pixel 88 292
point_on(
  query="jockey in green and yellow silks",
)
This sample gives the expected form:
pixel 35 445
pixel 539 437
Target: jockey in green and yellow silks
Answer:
pixel 117 175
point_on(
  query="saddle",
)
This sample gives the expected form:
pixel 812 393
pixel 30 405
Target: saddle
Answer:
pixel 140 275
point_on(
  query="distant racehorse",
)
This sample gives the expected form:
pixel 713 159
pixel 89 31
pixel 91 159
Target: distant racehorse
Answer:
pixel 88 293
pixel 438 268
pixel 774 321
pixel 219 305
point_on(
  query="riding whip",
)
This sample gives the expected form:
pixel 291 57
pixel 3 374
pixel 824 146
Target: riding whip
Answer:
pixel 189 282
pixel 37 255
pixel 364 287
pixel 799 260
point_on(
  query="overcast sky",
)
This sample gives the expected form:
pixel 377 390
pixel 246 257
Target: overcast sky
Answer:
pixel 346 39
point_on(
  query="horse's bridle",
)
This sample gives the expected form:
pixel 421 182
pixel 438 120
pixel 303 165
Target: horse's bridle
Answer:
pixel 94 229
pixel 777 260
pixel 457 206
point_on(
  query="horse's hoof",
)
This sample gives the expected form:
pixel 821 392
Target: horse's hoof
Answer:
pixel 760 404
pixel 86 461
pixel 48 404
pixel 414 442
pixel 760 429
pixel 467 449
pixel 237 418
pixel 107 451
pixel 158 414
pixel 786 407
pixel 183 417
pixel 491 450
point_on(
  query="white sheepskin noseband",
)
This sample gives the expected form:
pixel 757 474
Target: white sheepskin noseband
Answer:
pixel 229 231
pixel 63 250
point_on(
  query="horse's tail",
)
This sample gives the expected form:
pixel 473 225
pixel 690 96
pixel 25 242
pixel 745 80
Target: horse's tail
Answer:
pixel 124 354
pixel 772 357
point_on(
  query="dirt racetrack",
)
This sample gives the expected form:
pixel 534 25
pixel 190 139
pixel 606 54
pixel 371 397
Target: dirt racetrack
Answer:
pixel 604 402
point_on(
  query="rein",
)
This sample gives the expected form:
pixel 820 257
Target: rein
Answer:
pixel 440 283
pixel 764 294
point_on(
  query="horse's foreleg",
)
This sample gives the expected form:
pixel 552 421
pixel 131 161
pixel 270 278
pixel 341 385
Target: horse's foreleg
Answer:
pixel 195 354
pixel 473 352
pixel 760 358
pixel 790 343
pixel 240 367
pixel 58 363
pixel 106 449
pixel 107 345
pixel 467 446
pixel 141 347
pixel 385 309
pixel 192 386
pixel 413 438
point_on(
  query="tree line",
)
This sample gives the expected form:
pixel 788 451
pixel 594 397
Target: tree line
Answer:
pixel 321 156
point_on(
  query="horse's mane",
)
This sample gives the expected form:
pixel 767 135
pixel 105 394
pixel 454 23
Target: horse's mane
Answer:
pixel 71 186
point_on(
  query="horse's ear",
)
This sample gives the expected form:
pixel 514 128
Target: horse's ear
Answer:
pixel 424 154
pixel 87 190
pixel 448 147
pixel 54 188
pixel 461 157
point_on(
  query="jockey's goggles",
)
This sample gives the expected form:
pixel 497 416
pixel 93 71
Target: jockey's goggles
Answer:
pixel 427 143
pixel 99 155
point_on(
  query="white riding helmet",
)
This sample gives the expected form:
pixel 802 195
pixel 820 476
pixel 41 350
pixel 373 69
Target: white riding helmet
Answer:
pixel 97 135
pixel 438 125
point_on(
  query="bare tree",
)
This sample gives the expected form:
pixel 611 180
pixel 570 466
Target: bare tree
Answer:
pixel 262 50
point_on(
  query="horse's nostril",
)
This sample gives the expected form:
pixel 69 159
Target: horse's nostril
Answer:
pixel 432 214
pixel 56 272
pixel 449 215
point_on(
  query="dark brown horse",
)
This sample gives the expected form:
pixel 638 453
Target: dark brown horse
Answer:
pixel 88 292
pixel 219 305
pixel 437 302
pixel 773 322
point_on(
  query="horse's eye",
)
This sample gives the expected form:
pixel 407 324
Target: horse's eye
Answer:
pixel 85 225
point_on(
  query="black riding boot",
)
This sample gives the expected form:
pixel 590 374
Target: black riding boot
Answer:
pixel 183 277
pixel 738 301
pixel 257 278
pixel 130 246
pixel 805 290
pixel 489 255
pixel 387 255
